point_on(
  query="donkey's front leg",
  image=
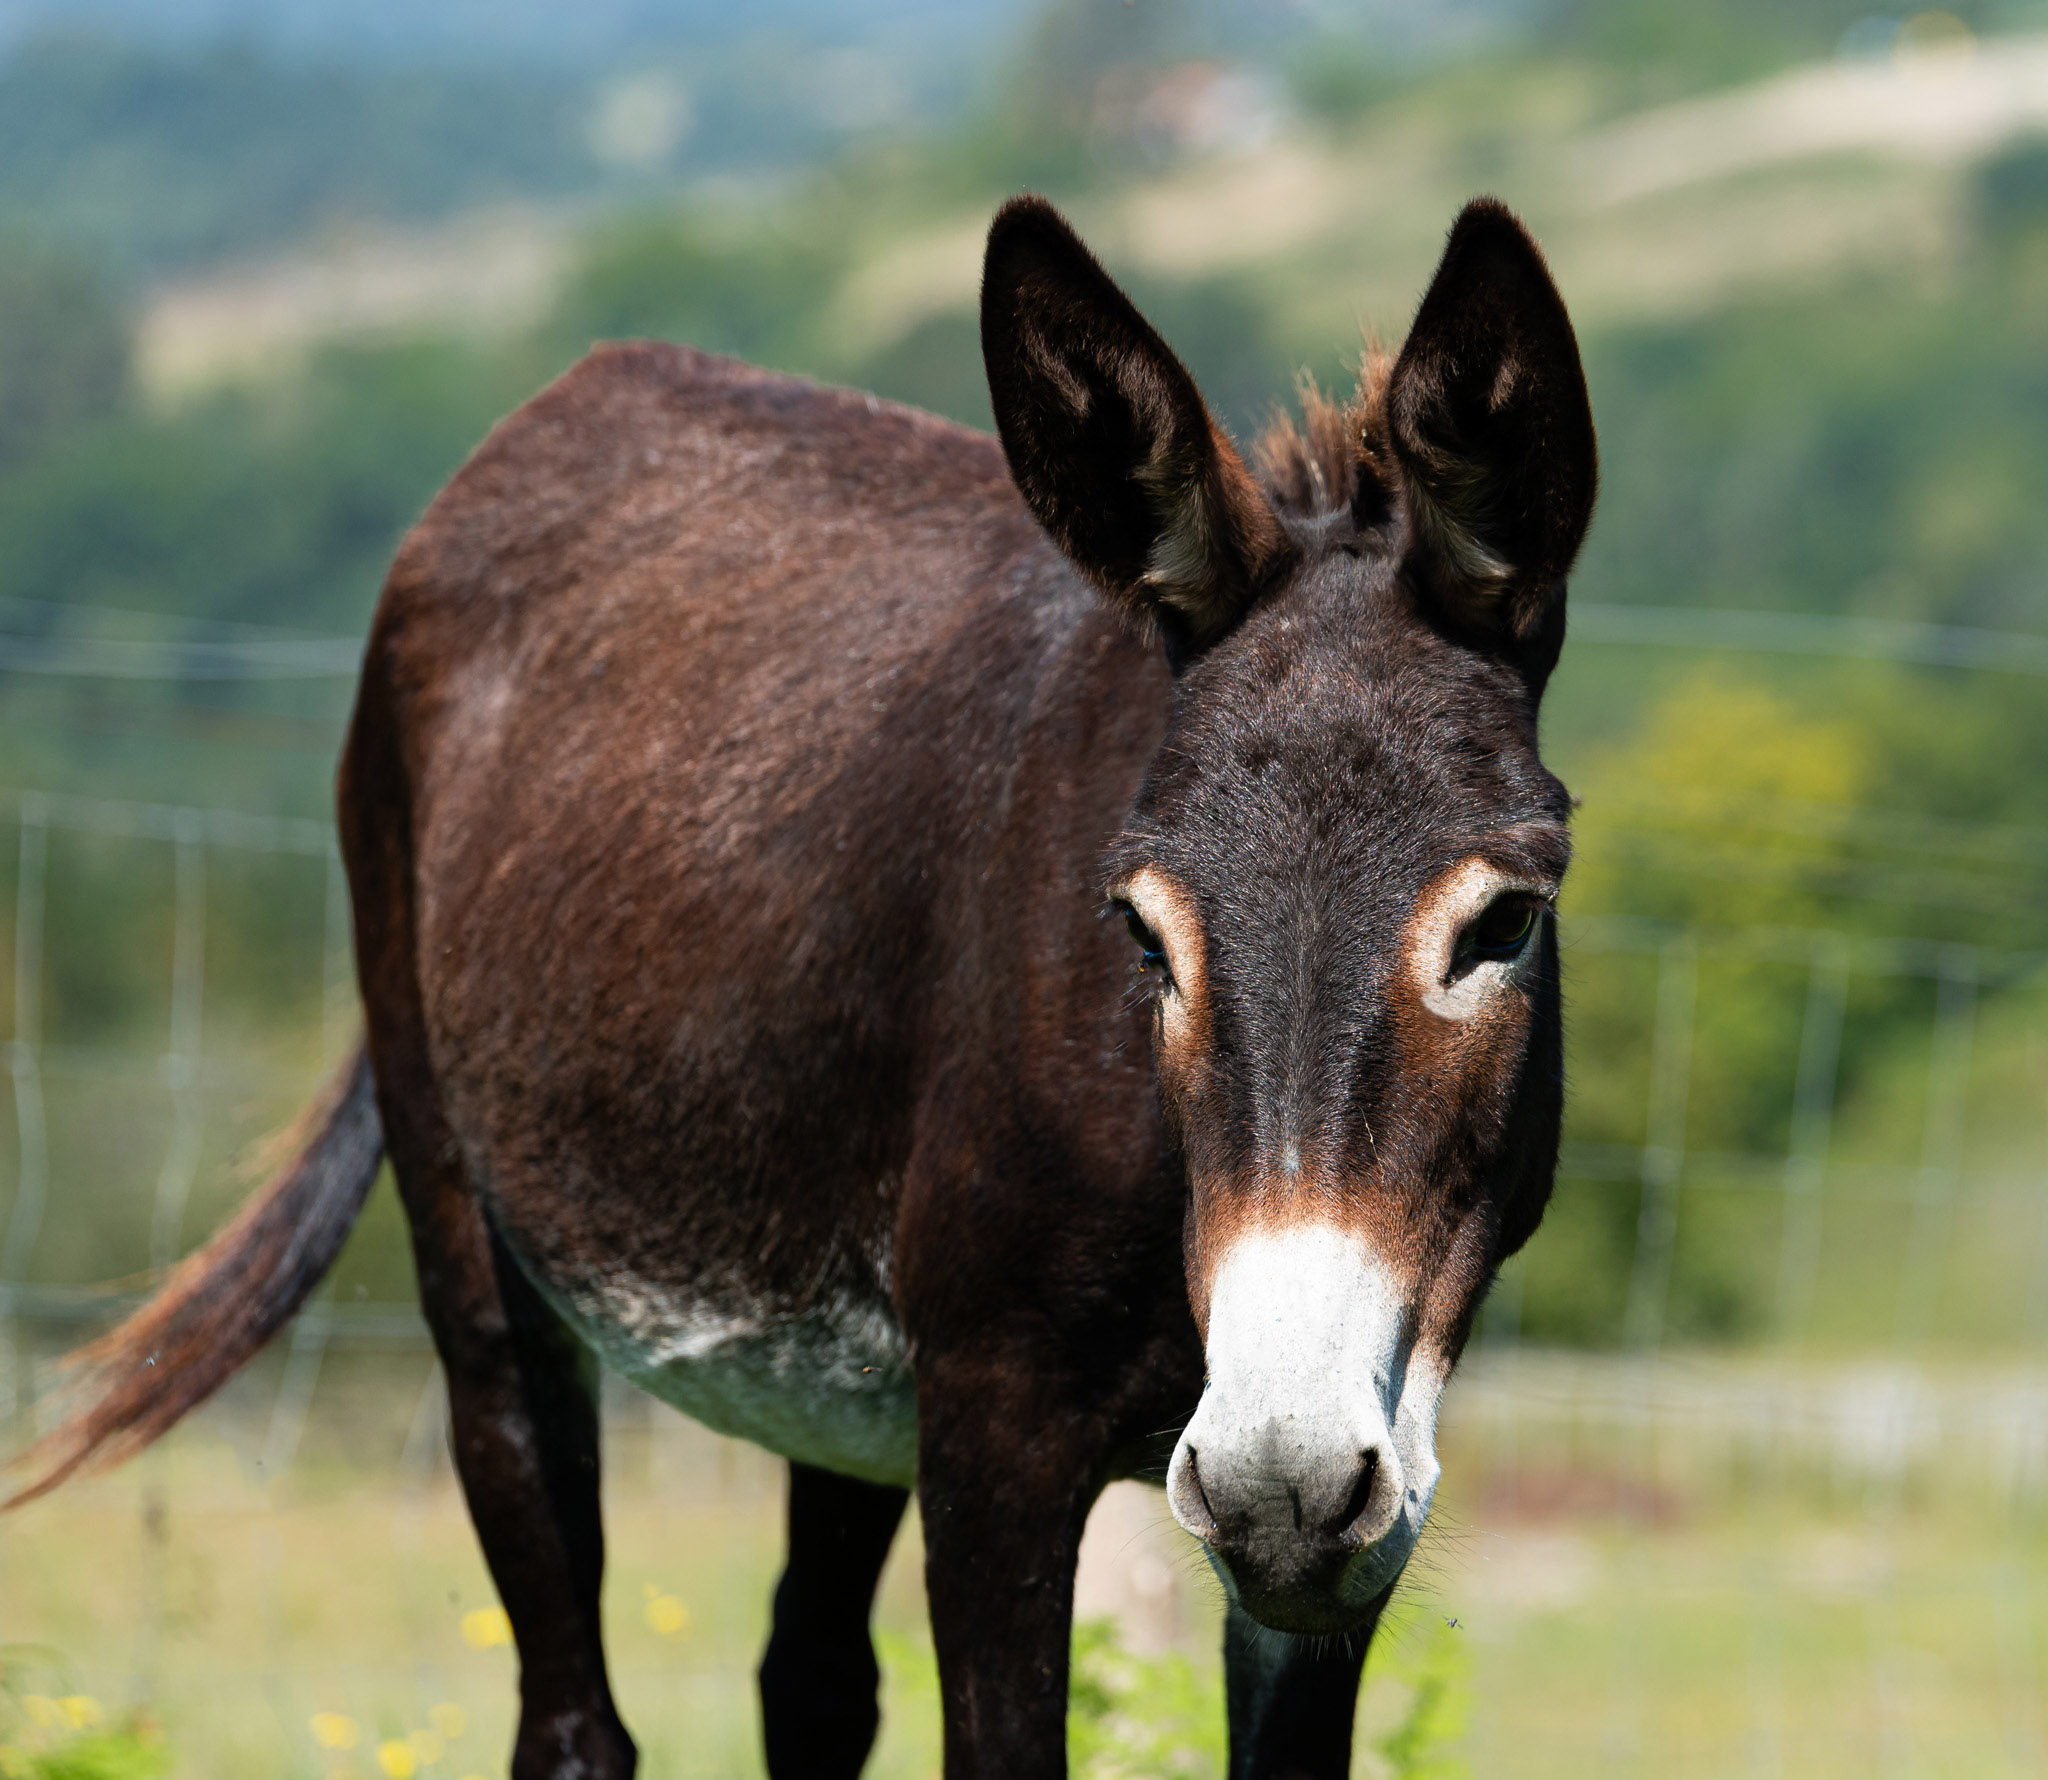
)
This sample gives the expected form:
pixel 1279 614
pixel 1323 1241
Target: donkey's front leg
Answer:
pixel 1292 1700
pixel 1005 1480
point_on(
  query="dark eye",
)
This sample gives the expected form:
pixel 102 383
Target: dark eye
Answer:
pixel 1502 931
pixel 1151 953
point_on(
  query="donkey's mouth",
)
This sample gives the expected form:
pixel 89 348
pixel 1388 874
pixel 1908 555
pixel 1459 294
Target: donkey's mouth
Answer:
pixel 1310 1592
pixel 1296 1550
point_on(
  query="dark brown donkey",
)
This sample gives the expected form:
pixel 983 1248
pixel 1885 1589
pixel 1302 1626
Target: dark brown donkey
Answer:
pixel 753 797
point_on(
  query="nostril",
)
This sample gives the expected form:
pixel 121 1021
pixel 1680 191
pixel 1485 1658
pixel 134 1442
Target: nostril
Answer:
pixel 1188 1500
pixel 1358 1504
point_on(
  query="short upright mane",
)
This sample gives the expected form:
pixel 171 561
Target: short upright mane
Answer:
pixel 1314 465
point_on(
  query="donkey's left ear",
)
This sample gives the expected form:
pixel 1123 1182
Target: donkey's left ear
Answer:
pixel 1109 440
pixel 1488 415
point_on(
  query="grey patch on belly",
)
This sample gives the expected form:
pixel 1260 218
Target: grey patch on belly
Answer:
pixel 829 1385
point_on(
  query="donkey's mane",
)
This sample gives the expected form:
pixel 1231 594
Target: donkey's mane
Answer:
pixel 1314 465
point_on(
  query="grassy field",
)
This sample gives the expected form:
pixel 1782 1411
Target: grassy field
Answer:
pixel 1697 1570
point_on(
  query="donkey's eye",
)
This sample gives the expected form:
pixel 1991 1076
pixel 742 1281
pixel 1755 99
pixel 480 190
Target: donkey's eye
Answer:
pixel 1502 931
pixel 1151 953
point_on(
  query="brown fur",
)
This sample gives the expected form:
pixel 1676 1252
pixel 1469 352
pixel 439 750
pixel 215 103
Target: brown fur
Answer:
pixel 734 776
pixel 1318 464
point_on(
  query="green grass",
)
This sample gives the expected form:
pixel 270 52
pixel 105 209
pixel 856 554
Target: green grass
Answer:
pixel 1680 1601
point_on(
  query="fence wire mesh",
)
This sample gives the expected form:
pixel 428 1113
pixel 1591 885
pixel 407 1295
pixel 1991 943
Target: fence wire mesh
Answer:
pixel 1577 1464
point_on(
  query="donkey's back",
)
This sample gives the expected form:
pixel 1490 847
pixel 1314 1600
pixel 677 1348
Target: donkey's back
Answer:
pixel 707 689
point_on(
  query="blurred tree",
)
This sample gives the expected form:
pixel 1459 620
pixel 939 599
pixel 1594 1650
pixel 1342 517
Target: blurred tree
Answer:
pixel 64 348
pixel 1681 47
pixel 1874 447
pixel 1062 107
pixel 2012 187
pixel 755 292
pixel 1072 43
pixel 2010 191
pixel 1803 801
pixel 161 157
pixel 280 504
pixel 1337 78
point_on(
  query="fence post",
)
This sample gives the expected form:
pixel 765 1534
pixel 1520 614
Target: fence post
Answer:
pixel 1661 1171
pixel 314 1325
pixel 338 989
pixel 24 1063
pixel 1663 1159
pixel 181 1062
pixel 1813 1117
pixel 1941 1143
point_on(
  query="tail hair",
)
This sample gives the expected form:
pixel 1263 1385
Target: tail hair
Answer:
pixel 221 1303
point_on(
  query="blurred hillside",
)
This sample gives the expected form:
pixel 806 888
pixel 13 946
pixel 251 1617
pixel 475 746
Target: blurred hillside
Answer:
pixel 268 275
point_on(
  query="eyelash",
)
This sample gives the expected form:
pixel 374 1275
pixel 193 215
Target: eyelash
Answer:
pixel 1151 949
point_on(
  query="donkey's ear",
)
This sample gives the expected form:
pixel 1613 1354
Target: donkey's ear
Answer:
pixel 1488 415
pixel 1108 438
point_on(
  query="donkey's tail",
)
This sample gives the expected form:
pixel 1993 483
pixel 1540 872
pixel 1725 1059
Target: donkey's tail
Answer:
pixel 224 1301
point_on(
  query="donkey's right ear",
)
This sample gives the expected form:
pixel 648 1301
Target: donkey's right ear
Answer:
pixel 1108 438
pixel 1488 415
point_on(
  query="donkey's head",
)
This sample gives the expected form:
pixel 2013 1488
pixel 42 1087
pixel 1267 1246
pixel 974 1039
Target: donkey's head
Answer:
pixel 1340 870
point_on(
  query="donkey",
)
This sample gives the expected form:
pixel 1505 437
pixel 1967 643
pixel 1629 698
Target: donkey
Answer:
pixel 981 969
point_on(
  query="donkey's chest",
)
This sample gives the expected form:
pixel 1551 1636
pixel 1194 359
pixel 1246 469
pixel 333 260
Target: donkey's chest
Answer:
pixel 829 1385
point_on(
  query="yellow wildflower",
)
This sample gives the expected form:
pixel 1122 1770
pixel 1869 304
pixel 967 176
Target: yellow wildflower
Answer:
pixel 667 1615
pixel 80 1710
pixel 43 1712
pixel 334 1730
pixel 397 1760
pixel 449 1720
pixel 484 1626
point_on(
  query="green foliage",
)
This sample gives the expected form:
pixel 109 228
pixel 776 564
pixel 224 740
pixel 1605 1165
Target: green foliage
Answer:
pixel 1866 444
pixel 1129 1717
pixel 63 348
pixel 281 504
pixel 1057 115
pixel 1879 448
pixel 50 1731
pixel 1437 1670
pixel 2011 187
pixel 1133 1717
pixel 1682 47
pixel 756 293
pixel 1337 79
pixel 1784 804
pixel 160 157
pixel 108 1755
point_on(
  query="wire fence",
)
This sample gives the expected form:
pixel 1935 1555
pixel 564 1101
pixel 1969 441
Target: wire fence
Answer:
pixel 1767 1416
pixel 78 641
pixel 186 1073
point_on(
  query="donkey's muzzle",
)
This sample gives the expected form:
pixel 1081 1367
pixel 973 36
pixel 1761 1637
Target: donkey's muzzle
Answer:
pixel 1303 1537
pixel 1309 1464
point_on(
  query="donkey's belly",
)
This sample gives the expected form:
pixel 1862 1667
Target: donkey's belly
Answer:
pixel 829 1385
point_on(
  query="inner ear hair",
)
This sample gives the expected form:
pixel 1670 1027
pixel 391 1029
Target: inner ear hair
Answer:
pixel 1216 537
pixel 1109 440
pixel 1488 417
